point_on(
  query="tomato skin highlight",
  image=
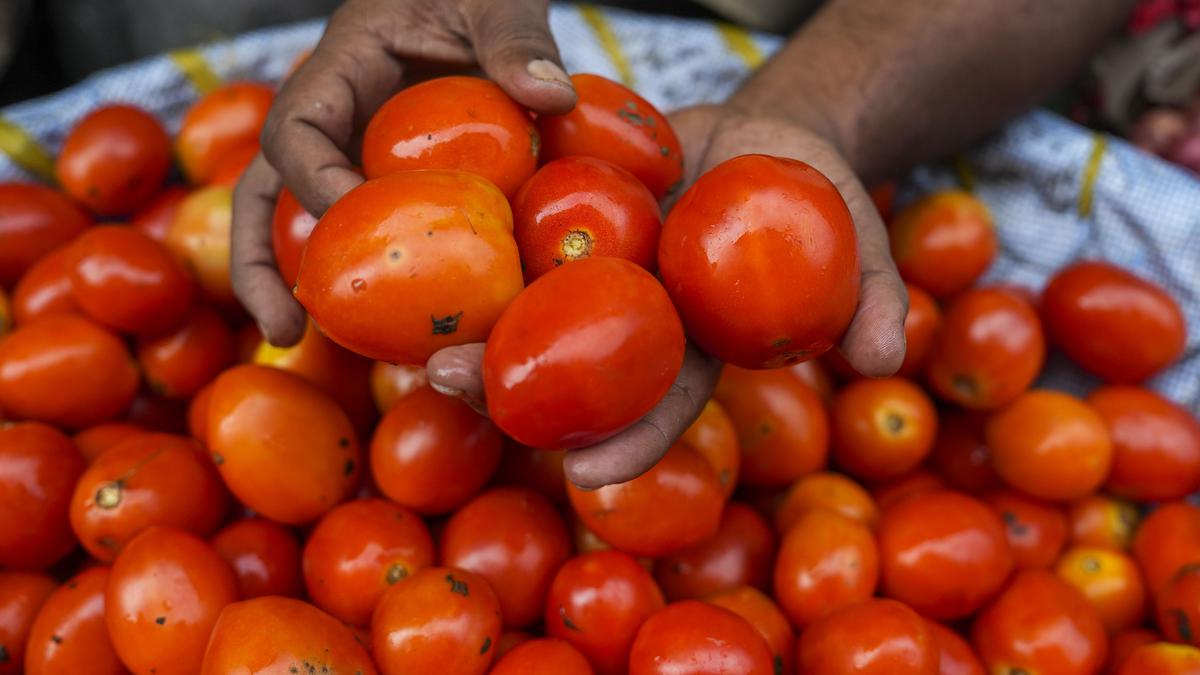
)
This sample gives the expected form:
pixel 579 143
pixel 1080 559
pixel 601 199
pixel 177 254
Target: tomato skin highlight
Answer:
pixel 39 467
pixel 291 226
pixel 34 220
pixel 69 634
pixel 230 116
pixel 114 159
pixel 698 637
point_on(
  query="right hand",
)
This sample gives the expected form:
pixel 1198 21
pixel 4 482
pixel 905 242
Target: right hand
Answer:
pixel 370 50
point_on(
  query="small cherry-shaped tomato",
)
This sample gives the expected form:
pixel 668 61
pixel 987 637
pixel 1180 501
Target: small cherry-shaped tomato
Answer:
pixel 514 539
pixel 698 637
pixel 225 118
pixel 390 383
pixel 597 602
pixel 114 159
pixel 922 322
pixel 1178 604
pixel 761 259
pixel 1100 520
pixel 155 218
pixel 290 227
pixel 149 479
pixel 1162 658
pixel 359 550
pixel 813 374
pixel 68 634
pixel 782 425
pixel 713 435
pixel 440 619
pixel 1167 540
pixel 829 491
pixel 943 242
pixel 873 637
pixel 891 492
pixel 1113 323
pixel 826 561
pixel 539 470
pixel 21 595
pixel 1156 444
pixel 740 553
pixel 754 606
pixel 231 167
pixel 576 207
pixel 65 370
pixel 432 453
pixel 276 635
pixel 955 656
pixel 943 553
pixel 1040 624
pixel 989 350
pixel 45 288
pixel 960 455
pixel 264 555
pixel 630 515
pixel 1036 530
pixel 1123 644
pixel 1110 580
pixel 178 364
pixel 543 656
pixel 1050 445
pixel 882 428
pixel 284 447
pixel 34 220
pixel 165 592
pixel 38 470
pixel 612 123
pixel 199 238
pixel 94 440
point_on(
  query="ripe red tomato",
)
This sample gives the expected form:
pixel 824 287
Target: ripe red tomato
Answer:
pixel 754 606
pixel 1167 540
pixel 197 414
pixel 431 453
pixel 943 242
pixel 514 539
pixel 21 595
pixel 597 602
pixel 1156 444
pixel 264 555
pixel 45 288
pixel 199 238
pixel 164 594
pixel 222 120
pixel 1177 602
pixel 882 428
pixel 284 447
pixel 828 491
pixel 509 640
pixel 891 492
pixel 921 324
pixel 713 436
pixel 1036 530
pixel 761 259
pixel 155 218
pixel 543 358
pixel 740 553
pixel 873 637
pixel 1162 658
pixel 1111 582
pixel 178 364
pixel 1122 645
pixel 114 159
pixel 65 370
pixel 826 562
pixel 1113 323
pixel 68 634
pixel 1100 520
pixel 391 383
pixel 34 220
pixel 94 440
pixel 990 349
pixel 228 171
pixel 782 426
pixel 960 455
pixel 955 656
pixel 699 637
pixel 543 656
pixel 577 207
pixel 612 123
pixel 290 228
pixel 38 470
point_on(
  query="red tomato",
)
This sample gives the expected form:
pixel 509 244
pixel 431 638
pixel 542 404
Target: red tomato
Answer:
pixel 199 238
pixel 265 557
pixel 1167 540
pixel 155 218
pixel 713 436
pixel 960 455
pixel 538 470
pixel 1156 444
pixel 432 453
pixel 178 364
pixel 954 653
pixel 1177 602
pixel 826 562
pixel 1122 645
pixel 943 242
pixel 701 638
pixel 1099 520
pixel 576 207
pixel 544 656
pixel 921 324
pixel 815 376
pixel 94 440
pixel 891 492
pixel 391 383
pixel 1036 530
pixel 228 171
pixel 612 123
pixel 21 595
pixel 165 592
pixel 45 288
pixel 68 634
pixel 740 553
pixel 197 414
pixel 290 227
pixel 114 159
pixel 284 447
pixel 442 240
pixel 1162 658
pixel 1111 581
pixel 873 637
pixel 65 370
pixel 509 640
pixel 543 357
pixel 828 491
pixel 761 259
pixel 38 470
pixel 882 428
pixel 34 220
pixel 222 120
pixel 1113 323
pixel 754 606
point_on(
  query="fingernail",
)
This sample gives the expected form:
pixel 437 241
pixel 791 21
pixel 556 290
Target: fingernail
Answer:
pixel 447 391
pixel 548 71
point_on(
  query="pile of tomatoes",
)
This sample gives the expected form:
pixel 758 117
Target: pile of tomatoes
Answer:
pixel 179 496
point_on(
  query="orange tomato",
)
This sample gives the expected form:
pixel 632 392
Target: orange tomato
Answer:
pixel 882 428
pixel 1162 658
pixel 45 288
pixel 1110 580
pixel 178 364
pixel 390 383
pixel 1156 444
pixel 38 470
pixel 873 637
pixel 197 414
pixel 1100 520
pixel 538 470
pixel 264 555
pixel 114 159
pixel 229 170
pixel 21 595
pixel 223 119
pixel 922 322
pixel 68 635
pixel 960 455
pixel 1168 539
pixel 825 490
pixel 740 553
pixel 1036 530
pixel 199 238
pixel 34 220
pixel 94 440
pixel 826 562
pixel 699 637
pixel 291 226
pixel 1177 602
pixel 543 656
pixel 155 218
pixel 955 656
pixel 754 606
pixel 943 242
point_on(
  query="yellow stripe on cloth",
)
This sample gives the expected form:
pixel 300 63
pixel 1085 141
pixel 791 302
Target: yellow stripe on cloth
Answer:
pixel 965 176
pixel 740 42
pixel 608 41
pixel 25 151
pixel 195 68
pixel 1091 171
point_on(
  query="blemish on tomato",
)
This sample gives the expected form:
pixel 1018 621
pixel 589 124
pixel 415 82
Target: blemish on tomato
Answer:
pixel 458 586
pixel 358 285
pixel 445 325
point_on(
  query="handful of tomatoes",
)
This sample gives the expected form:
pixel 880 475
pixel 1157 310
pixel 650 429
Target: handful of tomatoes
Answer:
pixel 178 496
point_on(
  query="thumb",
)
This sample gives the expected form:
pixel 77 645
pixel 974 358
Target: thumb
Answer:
pixel 515 48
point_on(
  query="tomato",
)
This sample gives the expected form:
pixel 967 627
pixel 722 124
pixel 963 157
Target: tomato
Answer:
pixel 391 383
pixel 223 119
pixel 755 607
pixel 872 637
pixel 1040 624
pixel 65 370
pixel 1162 658
pixel 612 123
pixel 1110 580
pixel 265 557
pixel 1113 323
pixel 1167 540
pixel 813 374
pixel 954 653
pixel 539 470
pixel 284 447
pixel 576 207
pixel 114 159
pixel 882 428
pixel 94 440
pixel 228 171
pixel 630 515
pixel 782 426
pixel 943 242
pixel 38 470
pixel 1178 604
pixel 432 453
pixel 453 123
pixel 543 656
pixel 1050 445
pixel 509 640
pixel 761 259
pixel 155 218
pixel 943 553
pixel 922 322
pixel 45 288
pixel 291 226
pixel 829 491
pixel 441 240
pixel 989 350
pixel 1122 645
pixel 21 595
pixel 164 594
pixel 826 562
pixel 197 414
pixel 891 492
pixel 740 553
pixel 597 602
pixel 34 220
pixel 68 634
pixel 1156 444
pixel 440 619
pixel 701 638
pixel 1036 530
pixel 514 539
pixel 178 364
pixel 1099 520
pixel 199 238
pixel 960 455
pixel 6 317
pixel 545 359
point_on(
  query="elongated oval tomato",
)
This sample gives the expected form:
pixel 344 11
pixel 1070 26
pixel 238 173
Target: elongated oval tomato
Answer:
pixel 38 469
pixel 699 637
pixel 1156 444
pixel 225 118
pixel 404 265
pixel 199 238
pixel 21 595
pixel 34 220
pixel 942 243
pixel 69 635
pixel 178 364
pixel 264 555
pixel 873 637
pixel 45 288
pixel 826 562
pixel 571 374
pixel 291 226
pixel 114 159
pixel 761 259
pixel 739 553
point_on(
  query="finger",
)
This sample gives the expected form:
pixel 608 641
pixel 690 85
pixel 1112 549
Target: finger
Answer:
pixel 636 450
pixel 256 280
pixel 515 48
pixel 458 372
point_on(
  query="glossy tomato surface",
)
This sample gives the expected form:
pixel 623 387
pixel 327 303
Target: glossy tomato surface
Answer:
pixel 45 288
pixel 943 242
pixel 34 220
pixel 699 637
pixel 825 490
pixel 1036 530
pixel 738 554
pixel 38 470
pixel 68 634
pixel 882 428
pixel 390 383
pixel 199 238
pixel 114 159
pixel 1168 539
pixel 873 637
pixel 1112 583
pixel 225 118
pixel 754 606
pixel 291 226
pixel 826 562
pixel 21 595
pixel 543 656
pixel 1156 444
pixel 177 364
pixel 1101 520
pixel 264 555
